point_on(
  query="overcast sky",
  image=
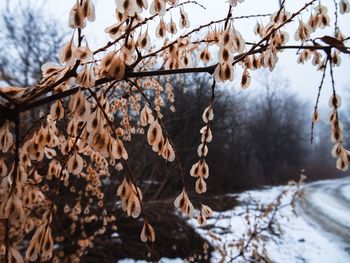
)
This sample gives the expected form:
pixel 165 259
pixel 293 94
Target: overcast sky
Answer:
pixel 303 78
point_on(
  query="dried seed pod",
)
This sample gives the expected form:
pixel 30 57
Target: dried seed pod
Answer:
pixel 75 164
pixel 344 6
pixel 184 21
pixel 154 134
pixel 158 7
pixel 200 169
pixel 201 185
pixel 147 233
pixel 245 79
pixel 161 29
pixel 57 110
pixel 77 17
pixel 208 114
pixel 146 116
pixel 184 204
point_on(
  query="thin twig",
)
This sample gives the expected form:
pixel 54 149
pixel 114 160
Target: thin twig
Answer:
pixel 317 100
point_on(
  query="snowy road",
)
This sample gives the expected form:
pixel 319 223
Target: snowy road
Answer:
pixel 319 234
pixel 326 207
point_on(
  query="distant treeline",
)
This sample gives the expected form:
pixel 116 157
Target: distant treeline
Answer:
pixel 259 137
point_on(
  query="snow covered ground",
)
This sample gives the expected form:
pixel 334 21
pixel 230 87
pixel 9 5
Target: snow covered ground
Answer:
pixel 320 233
pixel 163 260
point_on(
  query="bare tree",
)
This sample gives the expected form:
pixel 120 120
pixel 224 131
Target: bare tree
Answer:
pixel 28 39
pixel 277 129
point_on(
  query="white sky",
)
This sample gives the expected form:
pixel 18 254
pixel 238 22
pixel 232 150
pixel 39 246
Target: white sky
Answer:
pixel 304 79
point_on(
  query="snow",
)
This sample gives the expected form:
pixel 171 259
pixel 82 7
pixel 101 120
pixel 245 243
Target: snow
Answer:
pixel 302 240
pixel 163 260
pixel 334 209
pixel 303 243
pixel 345 192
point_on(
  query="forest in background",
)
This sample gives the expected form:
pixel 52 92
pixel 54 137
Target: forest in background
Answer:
pixel 262 136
